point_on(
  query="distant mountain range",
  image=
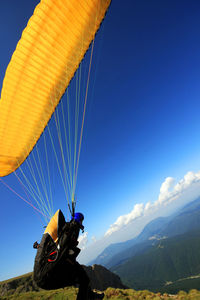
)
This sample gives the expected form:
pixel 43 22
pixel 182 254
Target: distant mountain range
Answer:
pixel 167 250
pixel 163 263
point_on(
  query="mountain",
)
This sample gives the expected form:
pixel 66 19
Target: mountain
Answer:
pixel 186 219
pixel 167 261
pixel 100 279
pixel 107 256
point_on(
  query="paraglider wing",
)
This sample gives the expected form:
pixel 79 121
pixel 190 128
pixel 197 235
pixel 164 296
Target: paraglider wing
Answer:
pixel 45 60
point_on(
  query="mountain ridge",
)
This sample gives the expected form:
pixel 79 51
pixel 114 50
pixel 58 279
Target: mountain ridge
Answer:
pixel 184 220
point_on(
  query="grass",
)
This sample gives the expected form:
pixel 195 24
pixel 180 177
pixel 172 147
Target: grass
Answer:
pixel 110 294
pixel 61 294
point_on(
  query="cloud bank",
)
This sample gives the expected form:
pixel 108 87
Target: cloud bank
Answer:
pixel 83 240
pixel 169 192
pixel 172 196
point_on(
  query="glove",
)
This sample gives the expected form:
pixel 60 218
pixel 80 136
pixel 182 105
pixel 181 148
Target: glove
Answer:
pixel 36 245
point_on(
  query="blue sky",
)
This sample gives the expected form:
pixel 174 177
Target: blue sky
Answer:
pixel 142 124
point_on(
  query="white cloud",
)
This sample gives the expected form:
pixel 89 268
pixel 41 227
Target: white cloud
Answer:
pixel 189 180
pixel 171 197
pixel 93 238
pixel 165 188
pixel 83 240
pixel 137 211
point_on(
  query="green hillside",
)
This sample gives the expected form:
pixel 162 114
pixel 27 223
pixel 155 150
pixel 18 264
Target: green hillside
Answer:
pixel 183 284
pixel 167 261
pixel 21 288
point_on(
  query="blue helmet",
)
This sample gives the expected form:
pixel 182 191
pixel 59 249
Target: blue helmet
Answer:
pixel 78 217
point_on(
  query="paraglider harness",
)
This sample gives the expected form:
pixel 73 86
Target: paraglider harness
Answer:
pixel 58 245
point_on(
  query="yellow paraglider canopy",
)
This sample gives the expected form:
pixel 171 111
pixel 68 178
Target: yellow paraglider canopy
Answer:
pixel 45 60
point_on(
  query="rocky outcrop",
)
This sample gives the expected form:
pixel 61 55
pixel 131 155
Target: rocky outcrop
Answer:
pixel 101 278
